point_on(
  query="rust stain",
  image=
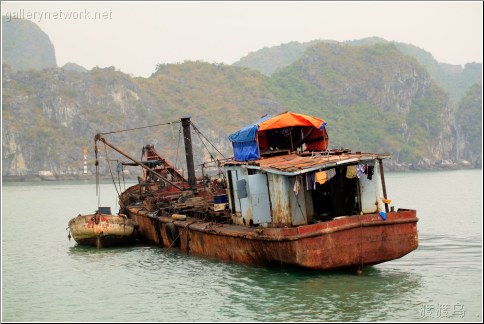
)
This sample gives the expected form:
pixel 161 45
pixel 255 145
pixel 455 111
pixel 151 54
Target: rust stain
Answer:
pixel 350 241
pixel 280 203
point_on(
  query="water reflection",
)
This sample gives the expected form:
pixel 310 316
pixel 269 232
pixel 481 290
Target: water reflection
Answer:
pixel 298 295
pixel 80 251
pixel 227 291
pixel 224 291
pixel 47 278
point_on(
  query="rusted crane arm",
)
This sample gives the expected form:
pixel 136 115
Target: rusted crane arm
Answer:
pixel 99 137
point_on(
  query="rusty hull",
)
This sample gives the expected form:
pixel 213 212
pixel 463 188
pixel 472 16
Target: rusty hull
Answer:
pixel 352 241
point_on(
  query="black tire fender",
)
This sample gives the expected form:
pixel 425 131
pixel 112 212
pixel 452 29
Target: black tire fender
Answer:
pixel 172 234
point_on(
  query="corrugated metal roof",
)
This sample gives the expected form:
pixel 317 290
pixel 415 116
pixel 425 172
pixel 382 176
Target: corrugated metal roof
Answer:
pixel 292 164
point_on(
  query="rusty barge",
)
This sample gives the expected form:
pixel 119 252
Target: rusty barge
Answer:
pixel 283 199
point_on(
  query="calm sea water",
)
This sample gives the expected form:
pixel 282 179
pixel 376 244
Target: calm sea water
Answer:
pixel 46 277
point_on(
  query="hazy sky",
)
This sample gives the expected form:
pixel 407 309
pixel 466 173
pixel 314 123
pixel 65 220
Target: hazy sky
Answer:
pixel 134 37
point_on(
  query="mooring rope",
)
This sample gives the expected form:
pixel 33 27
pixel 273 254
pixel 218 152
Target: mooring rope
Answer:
pixel 210 153
pixel 200 134
pixel 111 171
pixel 178 236
pixel 198 131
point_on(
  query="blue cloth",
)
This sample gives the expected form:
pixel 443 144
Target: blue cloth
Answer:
pixel 244 143
pixel 310 181
pixel 247 133
pixel 245 151
pixel 383 215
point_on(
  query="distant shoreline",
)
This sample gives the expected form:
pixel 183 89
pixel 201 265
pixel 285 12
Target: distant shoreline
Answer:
pixel 387 168
pixel 432 167
pixel 61 177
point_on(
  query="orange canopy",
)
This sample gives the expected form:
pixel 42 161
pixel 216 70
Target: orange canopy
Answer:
pixel 289 119
pixel 266 135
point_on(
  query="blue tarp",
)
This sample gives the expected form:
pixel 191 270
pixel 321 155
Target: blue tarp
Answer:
pixel 247 133
pixel 245 151
pixel 244 143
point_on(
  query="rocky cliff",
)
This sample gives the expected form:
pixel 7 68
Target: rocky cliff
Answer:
pixel 454 79
pixel 373 97
pixel 25 46
pixel 469 126
pixel 50 116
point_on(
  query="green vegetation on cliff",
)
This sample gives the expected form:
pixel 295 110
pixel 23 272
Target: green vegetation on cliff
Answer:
pixel 452 78
pixel 374 96
pixel 215 94
pixel 51 115
pixel 74 67
pixel 268 59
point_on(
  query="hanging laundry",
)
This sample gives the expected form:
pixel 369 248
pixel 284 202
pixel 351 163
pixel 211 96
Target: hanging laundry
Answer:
pixel 371 170
pixel 119 168
pixel 385 200
pixel 351 171
pixel 321 177
pixel 360 170
pixel 310 183
pixel 330 173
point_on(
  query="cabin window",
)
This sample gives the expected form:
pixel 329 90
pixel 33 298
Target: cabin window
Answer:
pixel 242 188
pixel 289 138
pixel 251 171
pixel 292 139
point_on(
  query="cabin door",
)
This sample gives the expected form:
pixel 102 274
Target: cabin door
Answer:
pixel 370 193
pixel 259 198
